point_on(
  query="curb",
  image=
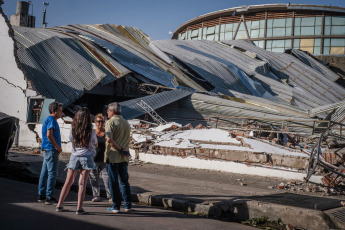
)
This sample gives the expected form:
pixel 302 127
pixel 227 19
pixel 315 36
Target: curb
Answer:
pixel 242 209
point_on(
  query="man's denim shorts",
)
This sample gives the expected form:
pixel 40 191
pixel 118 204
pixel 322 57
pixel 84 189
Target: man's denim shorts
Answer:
pixel 81 162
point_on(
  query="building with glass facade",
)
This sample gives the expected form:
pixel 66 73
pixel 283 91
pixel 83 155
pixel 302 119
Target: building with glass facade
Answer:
pixel 274 27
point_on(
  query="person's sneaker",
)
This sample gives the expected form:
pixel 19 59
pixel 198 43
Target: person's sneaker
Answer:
pixel 96 199
pixel 59 209
pixel 113 210
pixel 128 210
pixel 80 212
pixel 41 199
pixel 51 201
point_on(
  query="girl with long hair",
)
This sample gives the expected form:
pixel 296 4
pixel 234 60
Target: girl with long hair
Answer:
pixel 84 144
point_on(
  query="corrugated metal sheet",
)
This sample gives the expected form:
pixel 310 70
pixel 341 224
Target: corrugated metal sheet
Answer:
pixel 52 58
pixel 131 110
pixel 297 73
pixel 217 69
pixel 315 64
pixel 204 107
pixel 136 63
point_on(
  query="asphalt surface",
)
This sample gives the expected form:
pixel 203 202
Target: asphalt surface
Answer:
pixel 20 210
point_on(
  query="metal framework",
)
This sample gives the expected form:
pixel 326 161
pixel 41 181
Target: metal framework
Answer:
pixel 148 109
pixel 255 13
pixel 316 159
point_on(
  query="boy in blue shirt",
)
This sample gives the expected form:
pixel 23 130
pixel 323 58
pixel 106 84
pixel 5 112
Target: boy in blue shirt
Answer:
pixel 51 147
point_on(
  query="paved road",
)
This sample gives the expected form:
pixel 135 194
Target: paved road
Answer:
pixel 19 210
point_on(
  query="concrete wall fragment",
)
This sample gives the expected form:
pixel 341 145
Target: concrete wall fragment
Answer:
pixel 14 91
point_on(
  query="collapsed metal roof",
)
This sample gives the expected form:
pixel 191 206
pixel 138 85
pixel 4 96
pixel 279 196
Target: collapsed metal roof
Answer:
pixel 131 109
pixel 64 62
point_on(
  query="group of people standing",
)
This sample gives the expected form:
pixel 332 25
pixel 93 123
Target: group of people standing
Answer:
pixel 93 152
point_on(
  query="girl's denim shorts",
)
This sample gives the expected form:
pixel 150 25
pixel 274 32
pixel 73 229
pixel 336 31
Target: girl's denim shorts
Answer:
pixel 81 162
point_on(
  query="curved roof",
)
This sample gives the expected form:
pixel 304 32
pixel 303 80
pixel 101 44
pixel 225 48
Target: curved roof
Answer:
pixel 257 8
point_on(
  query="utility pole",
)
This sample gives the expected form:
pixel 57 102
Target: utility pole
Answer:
pixel 44 23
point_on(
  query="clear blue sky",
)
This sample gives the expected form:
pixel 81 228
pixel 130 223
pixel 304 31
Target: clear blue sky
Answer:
pixel 155 17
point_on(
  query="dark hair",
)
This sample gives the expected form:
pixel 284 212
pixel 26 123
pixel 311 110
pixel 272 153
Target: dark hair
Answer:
pixel 54 106
pixel 82 128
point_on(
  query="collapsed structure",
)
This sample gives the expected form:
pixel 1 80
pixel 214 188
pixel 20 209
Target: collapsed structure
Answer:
pixel 234 85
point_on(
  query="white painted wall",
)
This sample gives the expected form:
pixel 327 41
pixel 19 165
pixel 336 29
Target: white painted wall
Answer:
pixel 13 86
pixel 224 166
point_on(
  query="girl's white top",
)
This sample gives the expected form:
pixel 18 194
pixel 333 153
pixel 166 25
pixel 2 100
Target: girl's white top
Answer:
pixel 84 151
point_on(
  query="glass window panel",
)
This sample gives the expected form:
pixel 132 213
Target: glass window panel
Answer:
pixel 288 31
pixel 221 36
pixel 194 33
pixel 318 21
pixel 327 30
pixel 287 43
pixel 241 35
pixel 328 21
pixel 229 27
pixel 261 44
pixel 317 30
pixel 317 50
pixel 278 43
pixel 337 50
pixel 255 25
pixel 210 37
pixel 199 36
pixel 222 28
pixel 307 30
pixel 179 37
pixel 308 21
pixel 217 29
pixel 326 50
pixel 338 30
pixel 279 23
pixel 297 31
pixel 254 33
pixel 241 26
pixel 256 43
pixel 262 33
pixel 269 33
pixel 216 37
pixel 269 23
pixel 269 44
pixel 296 43
pixel 288 22
pixel 210 30
pixel 327 42
pixel 297 21
pixel 262 24
pixel 338 21
pixel 337 42
pixel 188 34
pixel 278 32
pixel 194 38
pixel 234 28
pixel 307 42
pixel 278 50
pixel 317 42
pixel 228 36
pixel 249 27
pixel 309 49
